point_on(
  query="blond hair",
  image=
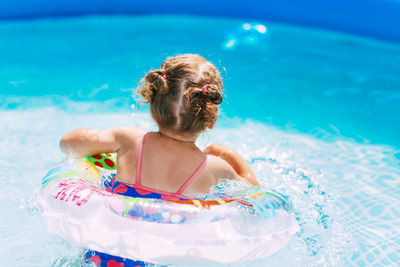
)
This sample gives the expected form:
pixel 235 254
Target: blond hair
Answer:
pixel 184 94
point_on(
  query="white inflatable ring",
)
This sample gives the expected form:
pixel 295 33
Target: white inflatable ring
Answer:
pixel 75 207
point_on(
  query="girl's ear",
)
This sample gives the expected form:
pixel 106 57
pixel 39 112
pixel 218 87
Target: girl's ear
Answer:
pixel 212 124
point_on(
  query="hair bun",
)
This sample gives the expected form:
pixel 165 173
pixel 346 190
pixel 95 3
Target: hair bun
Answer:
pixel 213 93
pixel 154 82
pixel 157 81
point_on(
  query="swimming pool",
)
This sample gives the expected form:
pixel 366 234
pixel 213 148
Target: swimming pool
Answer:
pixel 316 113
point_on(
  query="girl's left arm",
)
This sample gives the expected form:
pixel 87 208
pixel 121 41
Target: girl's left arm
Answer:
pixel 239 165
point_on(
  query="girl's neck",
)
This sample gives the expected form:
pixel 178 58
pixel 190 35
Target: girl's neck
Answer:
pixel 182 138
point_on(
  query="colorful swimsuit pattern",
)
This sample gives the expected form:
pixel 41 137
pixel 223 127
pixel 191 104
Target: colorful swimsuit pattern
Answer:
pixel 136 190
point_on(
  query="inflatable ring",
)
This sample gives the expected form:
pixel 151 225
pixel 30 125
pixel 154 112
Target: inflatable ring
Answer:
pixel 220 230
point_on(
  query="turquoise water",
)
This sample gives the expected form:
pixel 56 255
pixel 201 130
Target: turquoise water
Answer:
pixel 315 113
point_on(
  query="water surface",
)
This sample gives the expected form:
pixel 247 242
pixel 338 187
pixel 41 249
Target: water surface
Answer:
pixel 315 113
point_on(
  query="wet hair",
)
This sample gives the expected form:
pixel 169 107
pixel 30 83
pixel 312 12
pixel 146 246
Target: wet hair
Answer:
pixel 184 94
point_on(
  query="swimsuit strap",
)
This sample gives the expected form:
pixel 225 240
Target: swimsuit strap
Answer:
pixel 193 176
pixel 139 161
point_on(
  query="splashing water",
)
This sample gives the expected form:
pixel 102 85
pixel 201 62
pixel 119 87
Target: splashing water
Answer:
pixel 320 179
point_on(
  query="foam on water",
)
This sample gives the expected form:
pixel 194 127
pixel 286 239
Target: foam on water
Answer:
pixel 345 194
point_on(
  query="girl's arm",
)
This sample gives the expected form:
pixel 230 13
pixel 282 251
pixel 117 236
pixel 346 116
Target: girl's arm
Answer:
pixel 235 160
pixel 85 141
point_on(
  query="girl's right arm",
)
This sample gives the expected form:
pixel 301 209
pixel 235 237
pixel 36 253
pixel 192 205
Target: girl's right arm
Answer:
pixel 85 141
pixel 241 168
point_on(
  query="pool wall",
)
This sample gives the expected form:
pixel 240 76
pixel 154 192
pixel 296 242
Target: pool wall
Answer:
pixel 372 18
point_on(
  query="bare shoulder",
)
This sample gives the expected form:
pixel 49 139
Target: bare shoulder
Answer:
pixel 220 168
pixel 128 134
pixel 129 130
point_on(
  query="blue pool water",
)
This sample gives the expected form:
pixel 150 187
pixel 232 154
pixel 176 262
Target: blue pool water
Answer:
pixel 315 113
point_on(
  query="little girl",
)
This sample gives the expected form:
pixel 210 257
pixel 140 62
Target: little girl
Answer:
pixel 184 95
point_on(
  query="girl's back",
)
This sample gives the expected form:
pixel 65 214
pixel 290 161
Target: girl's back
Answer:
pixel 166 164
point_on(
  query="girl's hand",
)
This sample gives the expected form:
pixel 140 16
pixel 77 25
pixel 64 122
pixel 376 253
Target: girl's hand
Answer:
pixel 240 166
